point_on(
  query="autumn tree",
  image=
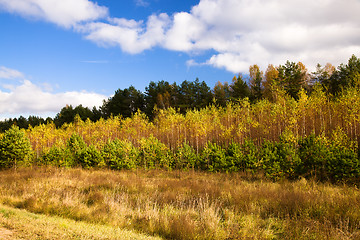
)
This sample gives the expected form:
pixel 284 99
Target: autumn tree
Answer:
pixel 256 79
pixel 270 82
pixel 221 93
pixel 322 75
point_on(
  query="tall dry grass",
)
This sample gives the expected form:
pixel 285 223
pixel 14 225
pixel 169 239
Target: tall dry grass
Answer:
pixel 188 205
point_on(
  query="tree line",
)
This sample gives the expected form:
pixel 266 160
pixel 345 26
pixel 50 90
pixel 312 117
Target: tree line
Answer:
pixel 283 130
pixel 290 77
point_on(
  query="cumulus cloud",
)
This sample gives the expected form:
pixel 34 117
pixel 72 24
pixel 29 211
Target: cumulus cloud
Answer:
pixel 240 32
pixel 65 13
pixel 130 35
pixel 23 96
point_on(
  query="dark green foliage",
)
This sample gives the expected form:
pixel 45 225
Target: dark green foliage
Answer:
pixel 213 158
pixel 120 155
pixel 343 165
pixel 239 89
pixel 279 160
pixel 15 148
pixel 22 122
pixel 68 113
pixel 291 78
pixel 314 154
pixel 345 76
pixel 82 155
pixel 89 157
pixel 192 95
pixel 187 95
pixel 160 94
pixel 76 143
pixel 251 156
pixel 329 161
pixel 124 102
pixel 242 157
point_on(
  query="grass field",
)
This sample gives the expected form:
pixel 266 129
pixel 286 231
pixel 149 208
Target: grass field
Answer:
pixel 54 203
pixel 21 224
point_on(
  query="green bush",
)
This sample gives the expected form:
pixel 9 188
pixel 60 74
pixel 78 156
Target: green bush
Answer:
pixel 343 165
pixel 15 148
pixel 76 143
pixel 242 157
pixel 154 154
pixel 280 160
pixel 186 157
pixel 90 157
pixel 213 158
pixel 251 153
pixel 58 157
pixel 314 152
pixel 119 155
pixel 75 146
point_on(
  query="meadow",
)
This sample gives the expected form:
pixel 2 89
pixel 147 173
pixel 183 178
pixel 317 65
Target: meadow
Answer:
pixel 281 169
pixel 173 205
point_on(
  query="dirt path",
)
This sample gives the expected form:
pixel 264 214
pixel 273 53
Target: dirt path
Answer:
pixel 5 234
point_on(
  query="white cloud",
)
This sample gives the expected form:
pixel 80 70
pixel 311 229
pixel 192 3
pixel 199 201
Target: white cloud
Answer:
pixel 26 97
pixel 8 73
pixel 240 32
pixel 243 32
pixel 65 13
pixel 131 36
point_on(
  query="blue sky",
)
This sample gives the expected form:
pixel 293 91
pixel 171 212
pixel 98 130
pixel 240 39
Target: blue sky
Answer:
pixel 59 52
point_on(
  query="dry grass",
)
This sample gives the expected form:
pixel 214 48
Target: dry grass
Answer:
pixel 20 224
pixel 187 205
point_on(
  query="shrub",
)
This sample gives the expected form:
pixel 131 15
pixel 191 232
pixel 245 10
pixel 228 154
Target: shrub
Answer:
pixel 242 157
pixel 186 157
pixel 154 154
pixel 76 143
pixel 90 157
pixel 119 154
pixel 344 164
pixel 75 146
pixel 58 157
pixel 251 156
pixel 314 153
pixel 15 148
pixel 213 158
pixel 280 160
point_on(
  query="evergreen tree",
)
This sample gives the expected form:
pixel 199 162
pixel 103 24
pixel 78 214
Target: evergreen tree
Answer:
pixel 345 76
pixel 292 77
pixel 238 88
pixel 124 102
pixel 15 148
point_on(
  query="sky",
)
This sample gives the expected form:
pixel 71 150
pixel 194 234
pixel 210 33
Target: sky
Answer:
pixel 55 53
